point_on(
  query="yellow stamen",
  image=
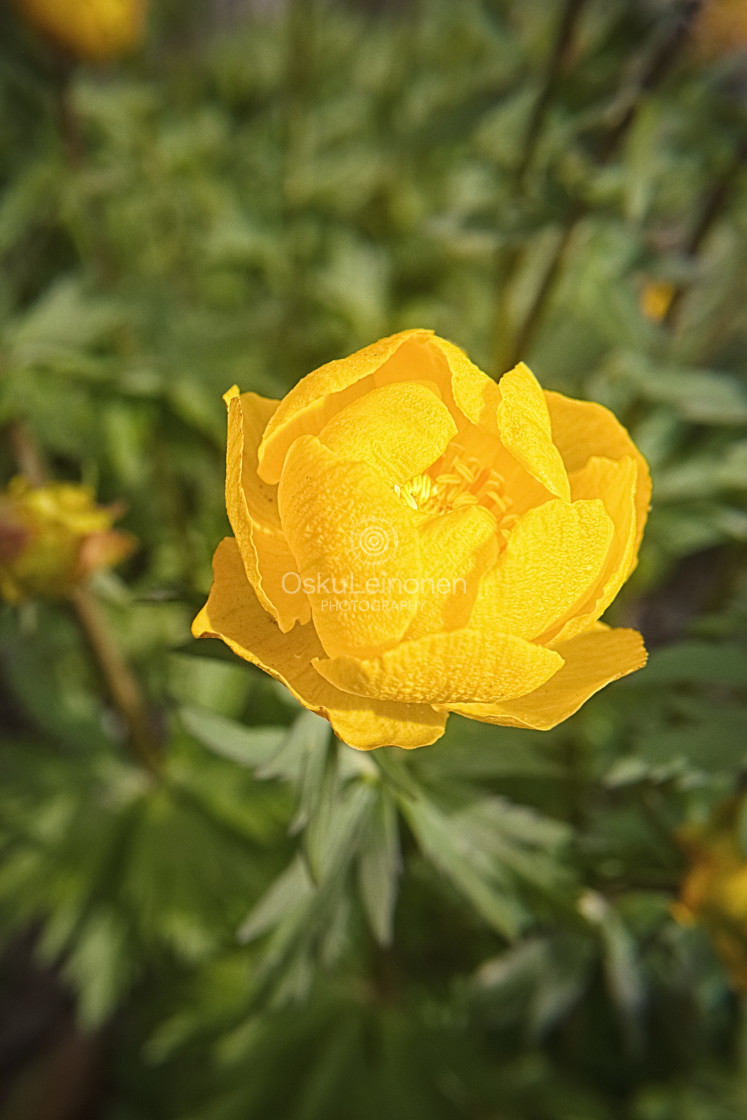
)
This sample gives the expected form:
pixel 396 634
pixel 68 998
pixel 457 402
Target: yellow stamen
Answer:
pixel 454 482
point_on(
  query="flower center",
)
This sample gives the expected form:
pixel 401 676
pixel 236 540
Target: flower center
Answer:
pixel 456 480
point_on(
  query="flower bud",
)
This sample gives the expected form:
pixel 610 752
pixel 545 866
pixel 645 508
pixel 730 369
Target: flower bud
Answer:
pixel 54 537
pixel 713 893
pixel 93 30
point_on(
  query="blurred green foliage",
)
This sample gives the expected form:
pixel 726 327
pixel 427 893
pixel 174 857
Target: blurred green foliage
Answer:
pixel 277 925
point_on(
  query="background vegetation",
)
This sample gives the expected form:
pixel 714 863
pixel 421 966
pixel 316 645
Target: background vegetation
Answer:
pixel 261 922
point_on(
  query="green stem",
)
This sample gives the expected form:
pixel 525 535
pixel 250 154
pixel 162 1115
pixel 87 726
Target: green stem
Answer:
pixel 558 57
pixel 525 334
pixel 712 205
pixel 508 260
pixel 118 678
pixel 651 75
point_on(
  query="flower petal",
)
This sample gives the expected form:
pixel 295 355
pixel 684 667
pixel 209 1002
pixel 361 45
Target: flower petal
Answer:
pixel 352 537
pixel 447 668
pixel 234 614
pixel 582 429
pixel 413 355
pixel 592 660
pixel 615 484
pixel 400 429
pixel 524 425
pixel 554 556
pixel 321 394
pixel 253 510
pixel 474 393
pixel 457 548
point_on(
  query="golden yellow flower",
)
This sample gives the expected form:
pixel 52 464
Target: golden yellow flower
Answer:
pixel 656 299
pixel 53 537
pixel 714 893
pixel 91 29
pixel 720 28
pixel 412 539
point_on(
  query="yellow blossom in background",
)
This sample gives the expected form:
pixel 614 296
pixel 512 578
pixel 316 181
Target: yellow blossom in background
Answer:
pixel 90 29
pixel 720 28
pixel 53 537
pixel 412 539
pixel 656 298
pixel 714 893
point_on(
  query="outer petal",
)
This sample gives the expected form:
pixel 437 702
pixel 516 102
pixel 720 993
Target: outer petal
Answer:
pixel 400 429
pixel 581 429
pixel 353 538
pixel 447 668
pixel 234 614
pixel 321 394
pixel 555 555
pixel 592 660
pixel 253 510
pixel 524 425
pixel 457 549
pixel 615 484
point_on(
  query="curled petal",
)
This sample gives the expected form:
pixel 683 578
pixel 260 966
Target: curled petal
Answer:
pixel 321 394
pixel 400 429
pixel 591 661
pixel 582 430
pixel 457 549
pixel 446 668
pixel 252 508
pixel 234 614
pixel 414 355
pixel 353 539
pixel 524 425
pixel 615 484
pixel 554 557
pixel 475 395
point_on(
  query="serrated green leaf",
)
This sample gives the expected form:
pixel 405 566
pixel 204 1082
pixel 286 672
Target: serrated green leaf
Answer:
pixel 457 854
pixel 379 866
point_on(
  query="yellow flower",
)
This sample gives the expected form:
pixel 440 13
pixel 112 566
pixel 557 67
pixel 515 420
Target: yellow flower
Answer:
pixel 656 298
pixel 53 537
pixel 714 893
pixel 412 539
pixel 91 29
pixel 720 28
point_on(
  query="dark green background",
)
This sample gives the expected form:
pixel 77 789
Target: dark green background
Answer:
pixel 278 926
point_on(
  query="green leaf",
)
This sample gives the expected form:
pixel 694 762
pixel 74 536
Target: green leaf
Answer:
pixel 252 747
pixel 287 896
pixel 711 740
pixel 701 396
pixel 99 966
pixel 455 849
pixel 63 320
pixel 696 662
pixel 302 752
pixel 379 866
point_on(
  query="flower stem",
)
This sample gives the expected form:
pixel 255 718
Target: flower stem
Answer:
pixel 651 75
pixel 558 57
pixel 508 259
pixel 119 680
pixel 712 205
